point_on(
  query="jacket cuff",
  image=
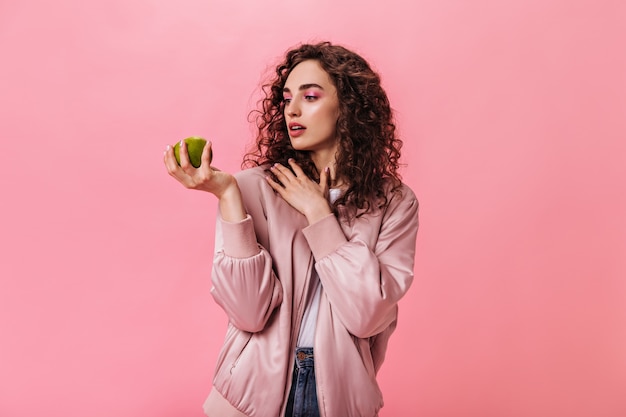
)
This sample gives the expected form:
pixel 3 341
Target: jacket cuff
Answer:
pixel 239 238
pixel 324 236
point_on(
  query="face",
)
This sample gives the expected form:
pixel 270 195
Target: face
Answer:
pixel 311 109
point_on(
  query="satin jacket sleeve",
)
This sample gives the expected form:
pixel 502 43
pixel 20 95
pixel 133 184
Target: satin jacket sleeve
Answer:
pixel 364 285
pixel 244 284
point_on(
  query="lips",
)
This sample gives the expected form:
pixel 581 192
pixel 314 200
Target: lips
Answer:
pixel 296 129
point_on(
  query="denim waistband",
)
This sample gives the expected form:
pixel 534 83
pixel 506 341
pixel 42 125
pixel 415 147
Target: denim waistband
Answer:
pixel 304 357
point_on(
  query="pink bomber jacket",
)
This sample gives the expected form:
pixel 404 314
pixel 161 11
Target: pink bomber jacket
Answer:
pixel 261 270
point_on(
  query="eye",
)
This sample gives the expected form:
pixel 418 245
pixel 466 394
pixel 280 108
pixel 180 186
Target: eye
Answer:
pixel 310 97
pixel 286 100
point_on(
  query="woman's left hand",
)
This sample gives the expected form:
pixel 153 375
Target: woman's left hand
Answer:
pixel 302 193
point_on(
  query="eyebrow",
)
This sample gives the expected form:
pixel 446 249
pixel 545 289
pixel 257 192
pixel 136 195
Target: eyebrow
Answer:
pixel 304 87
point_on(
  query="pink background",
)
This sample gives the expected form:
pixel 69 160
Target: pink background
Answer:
pixel 514 119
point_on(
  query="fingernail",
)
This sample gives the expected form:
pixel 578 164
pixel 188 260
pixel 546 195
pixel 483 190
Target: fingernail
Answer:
pixel 327 170
pixel 167 148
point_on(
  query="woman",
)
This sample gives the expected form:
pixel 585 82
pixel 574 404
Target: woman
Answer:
pixel 315 243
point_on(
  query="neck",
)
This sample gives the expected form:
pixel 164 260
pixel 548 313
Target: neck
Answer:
pixel 322 161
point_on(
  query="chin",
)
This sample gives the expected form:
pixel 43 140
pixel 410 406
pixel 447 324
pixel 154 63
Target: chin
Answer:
pixel 298 146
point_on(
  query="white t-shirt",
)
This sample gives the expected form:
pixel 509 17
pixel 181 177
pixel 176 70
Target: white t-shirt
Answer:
pixel 307 327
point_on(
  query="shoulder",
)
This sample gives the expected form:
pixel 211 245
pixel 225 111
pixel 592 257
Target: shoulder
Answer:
pixel 402 204
pixel 254 174
pixel 252 178
pixel 255 190
pixel 397 200
pixel 401 194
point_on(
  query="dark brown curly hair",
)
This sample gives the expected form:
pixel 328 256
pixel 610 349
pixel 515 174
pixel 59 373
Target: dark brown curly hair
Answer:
pixel 368 147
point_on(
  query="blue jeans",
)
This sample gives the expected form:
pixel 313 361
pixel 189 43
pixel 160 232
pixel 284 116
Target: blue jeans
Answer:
pixel 302 400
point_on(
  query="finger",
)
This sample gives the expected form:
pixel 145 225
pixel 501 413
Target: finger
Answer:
pixel 329 178
pixel 170 160
pixel 174 169
pixel 325 180
pixel 276 186
pixel 205 159
pixel 296 168
pixel 282 173
pixel 185 163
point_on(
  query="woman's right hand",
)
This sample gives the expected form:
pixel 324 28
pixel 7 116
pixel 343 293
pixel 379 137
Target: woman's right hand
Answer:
pixel 204 178
pixel 207 178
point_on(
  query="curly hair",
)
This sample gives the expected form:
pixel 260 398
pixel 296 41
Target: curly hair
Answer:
pixel 368 147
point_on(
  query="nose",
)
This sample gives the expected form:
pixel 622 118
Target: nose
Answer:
pixel 292 109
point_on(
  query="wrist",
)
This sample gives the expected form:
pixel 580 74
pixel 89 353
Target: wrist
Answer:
pixel 231 204
pixel 318 212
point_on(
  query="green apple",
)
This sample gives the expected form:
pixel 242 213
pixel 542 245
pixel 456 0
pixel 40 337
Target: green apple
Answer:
pixel 195 145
